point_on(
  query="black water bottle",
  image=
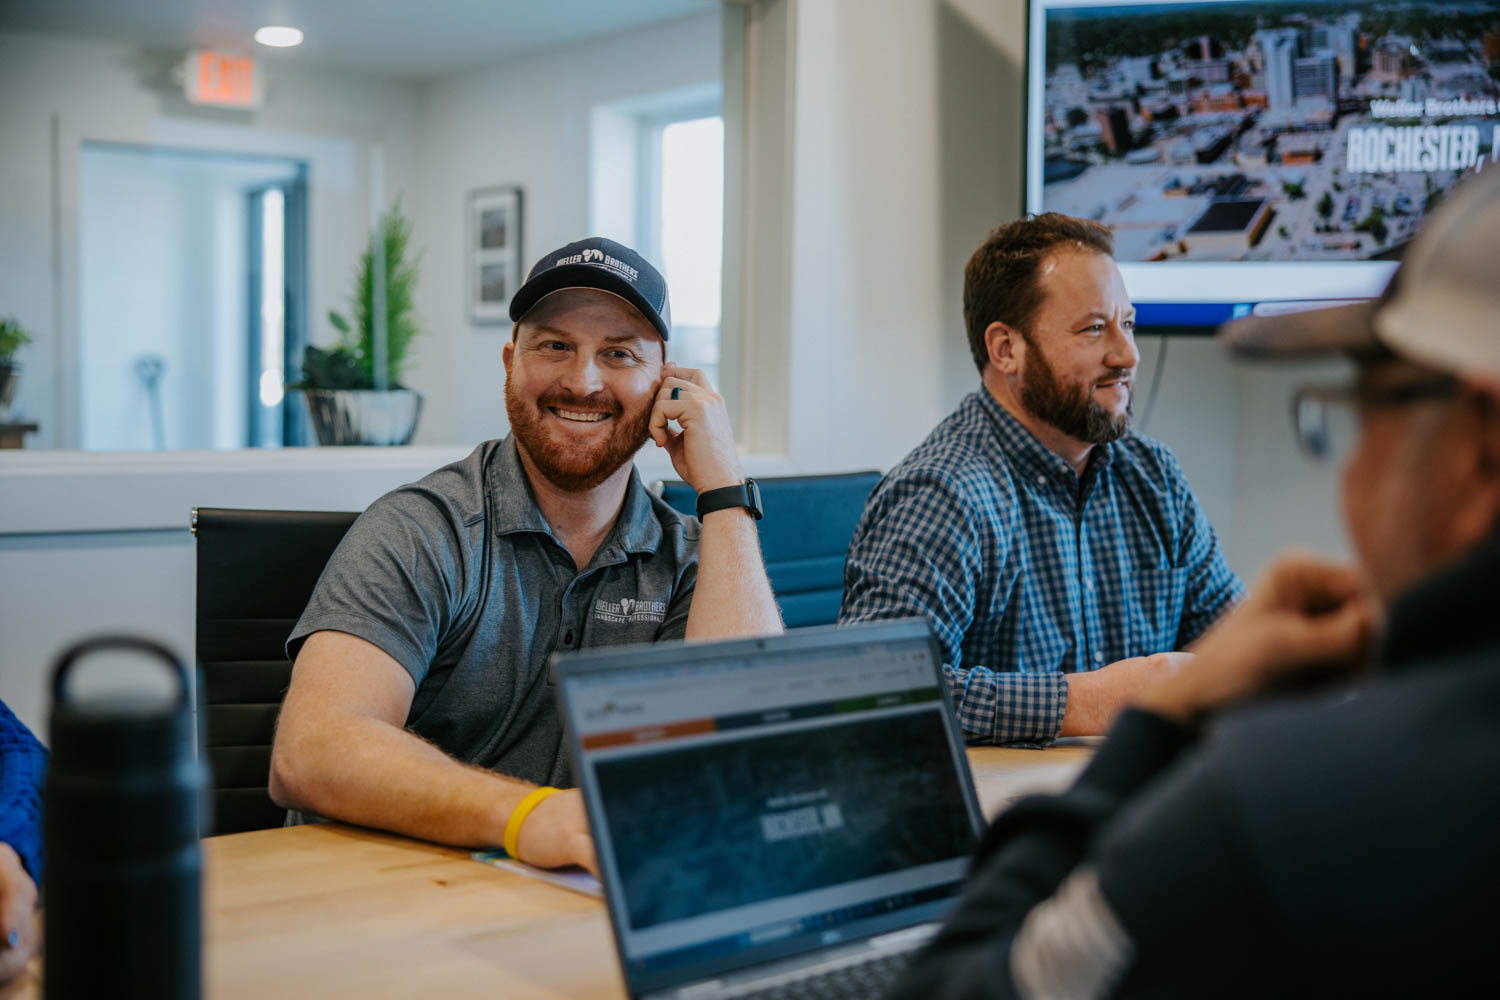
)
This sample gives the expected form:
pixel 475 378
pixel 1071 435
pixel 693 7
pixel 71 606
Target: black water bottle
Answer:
pixel 123 904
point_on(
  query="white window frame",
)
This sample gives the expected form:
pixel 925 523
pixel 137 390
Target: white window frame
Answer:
pixel 625 204
pixel 756 98
pixel 649 131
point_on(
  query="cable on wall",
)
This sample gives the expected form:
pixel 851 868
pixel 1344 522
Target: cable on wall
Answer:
pixel 1161 362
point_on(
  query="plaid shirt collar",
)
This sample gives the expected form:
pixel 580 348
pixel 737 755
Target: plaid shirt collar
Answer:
pixel 1020 445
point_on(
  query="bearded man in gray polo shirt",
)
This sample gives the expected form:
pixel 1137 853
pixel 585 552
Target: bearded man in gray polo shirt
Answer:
pixel 420 701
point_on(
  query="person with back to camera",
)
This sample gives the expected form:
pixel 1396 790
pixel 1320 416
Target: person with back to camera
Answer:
pixel 420 701
pixel 1059 556
pixel 1321 843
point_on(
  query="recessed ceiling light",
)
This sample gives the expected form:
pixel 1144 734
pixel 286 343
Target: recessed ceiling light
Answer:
pixel 278 36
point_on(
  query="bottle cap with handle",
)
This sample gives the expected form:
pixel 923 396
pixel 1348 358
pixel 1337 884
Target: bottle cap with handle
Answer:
pixel 121 814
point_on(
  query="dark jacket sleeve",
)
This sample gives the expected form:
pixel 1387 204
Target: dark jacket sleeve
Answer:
pixel 1026 855
pixel 23 764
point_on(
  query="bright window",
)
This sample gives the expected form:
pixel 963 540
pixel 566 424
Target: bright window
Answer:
pixel 691 236
pixel 272 298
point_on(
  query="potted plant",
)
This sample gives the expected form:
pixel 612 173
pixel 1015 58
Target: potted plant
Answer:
pixel 12 339
pixel 351 397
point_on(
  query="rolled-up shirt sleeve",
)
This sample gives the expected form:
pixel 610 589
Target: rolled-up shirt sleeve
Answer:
pixel 1023 710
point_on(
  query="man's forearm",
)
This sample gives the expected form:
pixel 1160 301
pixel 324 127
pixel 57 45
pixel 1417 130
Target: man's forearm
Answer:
pixel 1089 704
pixel 732 596
pixel 1097 697
pixel 369 772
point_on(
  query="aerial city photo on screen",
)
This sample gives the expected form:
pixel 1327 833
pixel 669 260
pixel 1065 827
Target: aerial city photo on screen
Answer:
pixel 1307 131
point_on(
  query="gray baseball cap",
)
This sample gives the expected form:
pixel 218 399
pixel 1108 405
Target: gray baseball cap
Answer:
pixel 1441 308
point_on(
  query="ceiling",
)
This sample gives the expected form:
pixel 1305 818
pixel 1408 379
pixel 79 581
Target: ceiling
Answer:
pixel 407 38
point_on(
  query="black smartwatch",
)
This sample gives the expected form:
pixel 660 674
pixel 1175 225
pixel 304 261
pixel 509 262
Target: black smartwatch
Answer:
pixel 746 495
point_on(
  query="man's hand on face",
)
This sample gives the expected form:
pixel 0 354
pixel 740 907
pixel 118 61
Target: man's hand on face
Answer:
pixel 556 833
pixel 1306 620
pixel 703 451
pixel 19 931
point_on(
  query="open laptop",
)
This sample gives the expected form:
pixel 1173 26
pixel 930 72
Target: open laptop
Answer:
pixel 773 817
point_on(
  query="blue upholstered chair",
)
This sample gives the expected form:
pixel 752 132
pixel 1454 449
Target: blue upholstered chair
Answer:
pixel 804 537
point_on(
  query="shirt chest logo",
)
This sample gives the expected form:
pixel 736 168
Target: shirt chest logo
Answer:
pixel 630 609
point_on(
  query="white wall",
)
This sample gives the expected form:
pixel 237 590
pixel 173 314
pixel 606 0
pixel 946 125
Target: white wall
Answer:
pixel 523 122
pixel 56 93
pixel 866 372
pixel 1282 498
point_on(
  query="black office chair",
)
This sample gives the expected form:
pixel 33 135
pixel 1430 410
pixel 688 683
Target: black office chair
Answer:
pixel 804 537
pixel 256 571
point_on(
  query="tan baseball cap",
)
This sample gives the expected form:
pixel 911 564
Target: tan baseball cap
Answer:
pixel 1441 308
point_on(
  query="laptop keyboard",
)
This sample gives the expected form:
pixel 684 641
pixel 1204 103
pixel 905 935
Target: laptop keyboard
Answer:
pixel 856 981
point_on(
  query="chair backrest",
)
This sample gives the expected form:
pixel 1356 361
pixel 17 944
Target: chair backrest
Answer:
pixel 256 571
pixel 804 537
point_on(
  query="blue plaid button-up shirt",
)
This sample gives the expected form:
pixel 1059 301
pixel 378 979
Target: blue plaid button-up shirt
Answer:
pixel 1027 571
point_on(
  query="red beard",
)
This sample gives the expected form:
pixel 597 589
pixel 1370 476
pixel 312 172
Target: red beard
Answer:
pixel 1070 407
pixel 574 467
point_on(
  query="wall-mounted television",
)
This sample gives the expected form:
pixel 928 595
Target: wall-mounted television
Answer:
pixel 1249 152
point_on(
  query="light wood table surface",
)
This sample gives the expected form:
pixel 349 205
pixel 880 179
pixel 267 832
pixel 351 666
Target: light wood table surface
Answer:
pixel 333 911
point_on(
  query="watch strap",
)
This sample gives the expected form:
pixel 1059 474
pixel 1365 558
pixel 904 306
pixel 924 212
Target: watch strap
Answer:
pixel 746 494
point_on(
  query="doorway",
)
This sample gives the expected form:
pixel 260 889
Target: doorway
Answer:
pixel 192 286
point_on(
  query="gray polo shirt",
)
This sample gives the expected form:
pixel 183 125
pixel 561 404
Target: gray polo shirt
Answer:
pixel 460 579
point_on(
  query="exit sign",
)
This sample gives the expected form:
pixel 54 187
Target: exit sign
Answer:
pixel 222 81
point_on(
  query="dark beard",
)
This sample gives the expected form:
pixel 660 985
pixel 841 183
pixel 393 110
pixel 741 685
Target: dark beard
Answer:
pixel 575 470
pixel 1071 409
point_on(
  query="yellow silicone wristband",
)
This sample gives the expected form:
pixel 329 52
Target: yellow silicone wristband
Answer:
pixel 518 816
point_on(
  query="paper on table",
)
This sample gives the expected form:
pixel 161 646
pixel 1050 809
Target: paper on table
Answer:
pixel 576 879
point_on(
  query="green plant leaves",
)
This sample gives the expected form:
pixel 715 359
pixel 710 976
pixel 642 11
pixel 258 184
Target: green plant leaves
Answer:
pixel 12 337
pixel 351 363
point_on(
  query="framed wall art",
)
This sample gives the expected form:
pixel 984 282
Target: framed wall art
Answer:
pixel 493 255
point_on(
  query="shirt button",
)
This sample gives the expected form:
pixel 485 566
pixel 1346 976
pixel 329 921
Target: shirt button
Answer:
pixel 568 638
pixel 1099 658
pixel 1041 480
pixel 1088 585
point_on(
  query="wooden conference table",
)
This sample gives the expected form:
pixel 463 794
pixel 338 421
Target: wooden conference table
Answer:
pixel 334 911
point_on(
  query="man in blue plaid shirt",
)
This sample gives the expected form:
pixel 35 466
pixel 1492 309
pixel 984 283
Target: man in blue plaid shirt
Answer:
pixel 1059 556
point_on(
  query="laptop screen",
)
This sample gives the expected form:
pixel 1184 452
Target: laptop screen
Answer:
pixel 758 798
